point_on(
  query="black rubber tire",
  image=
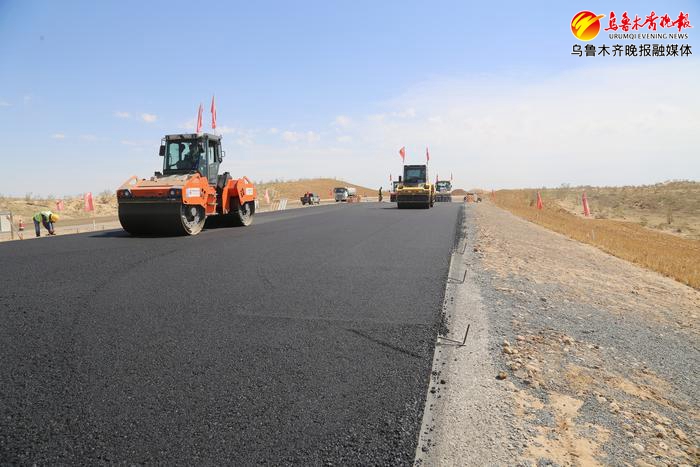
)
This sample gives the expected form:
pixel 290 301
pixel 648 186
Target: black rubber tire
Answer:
pixel 242 216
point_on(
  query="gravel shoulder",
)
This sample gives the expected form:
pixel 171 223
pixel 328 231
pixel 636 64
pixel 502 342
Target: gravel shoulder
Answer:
pixel 597 357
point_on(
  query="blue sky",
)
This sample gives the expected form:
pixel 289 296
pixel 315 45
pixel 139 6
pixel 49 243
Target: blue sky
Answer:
pixel 334 88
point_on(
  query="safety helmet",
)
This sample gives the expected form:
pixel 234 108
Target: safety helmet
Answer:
pixel 53 217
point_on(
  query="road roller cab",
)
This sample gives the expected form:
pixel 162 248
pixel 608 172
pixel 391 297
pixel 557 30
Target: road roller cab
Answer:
pixel 189 189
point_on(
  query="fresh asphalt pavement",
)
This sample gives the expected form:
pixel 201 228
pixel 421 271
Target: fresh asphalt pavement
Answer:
pixel 304 338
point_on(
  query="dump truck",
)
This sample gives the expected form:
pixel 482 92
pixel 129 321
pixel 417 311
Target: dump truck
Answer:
pixel 443 191
pixel 178 200
pixel 414 189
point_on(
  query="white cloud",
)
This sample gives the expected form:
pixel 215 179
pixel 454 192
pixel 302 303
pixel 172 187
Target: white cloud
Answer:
pixel 5 104
pixel 581 126
pixel 291 136
pixel 297 137
pixel 189 125
pixel 88 137
pixel 149 118
pixel 273 131
pixel 58 136
pixel 406 113
pixel 225 130
pixel 342 121
pixel 122 114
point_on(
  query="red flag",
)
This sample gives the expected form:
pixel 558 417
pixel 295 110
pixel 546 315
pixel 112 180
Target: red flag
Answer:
pixel 199 119
pixel 213 113
pixel 402 153
pixel 586 211
pixel 540 205
pixel 267 197
pixel 89 206
pixel 59 205
pixel 427 155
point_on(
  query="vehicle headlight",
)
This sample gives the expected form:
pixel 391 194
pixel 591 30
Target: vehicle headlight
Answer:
pixel 124 193
pixel 174 192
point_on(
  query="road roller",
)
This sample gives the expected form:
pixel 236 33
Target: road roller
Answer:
pixel 414 189
pixel 178 200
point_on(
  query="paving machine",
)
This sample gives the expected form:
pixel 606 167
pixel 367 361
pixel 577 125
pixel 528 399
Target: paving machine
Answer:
pixel 414 189
pixel 443 191
pixel 178 200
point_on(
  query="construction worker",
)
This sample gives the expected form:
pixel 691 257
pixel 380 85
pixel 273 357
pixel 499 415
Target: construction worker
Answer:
pixel 47 219
pixel 380 194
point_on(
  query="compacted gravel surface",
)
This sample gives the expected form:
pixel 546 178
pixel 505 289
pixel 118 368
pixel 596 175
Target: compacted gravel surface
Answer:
pixel 575 357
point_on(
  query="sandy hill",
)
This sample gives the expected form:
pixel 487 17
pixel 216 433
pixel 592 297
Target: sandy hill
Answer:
pixel 73 207
pixel 670 206
pixel 293 189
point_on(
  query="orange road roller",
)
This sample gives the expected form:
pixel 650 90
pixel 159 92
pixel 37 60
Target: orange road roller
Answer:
pixel 178 200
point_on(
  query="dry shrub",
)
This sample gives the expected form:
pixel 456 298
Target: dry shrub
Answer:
pixel 670 255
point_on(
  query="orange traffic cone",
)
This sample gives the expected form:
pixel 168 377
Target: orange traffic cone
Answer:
pixel 540 205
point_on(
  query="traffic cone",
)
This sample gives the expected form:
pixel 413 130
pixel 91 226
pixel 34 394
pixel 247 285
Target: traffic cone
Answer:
pixel 539 201
pixel 20 226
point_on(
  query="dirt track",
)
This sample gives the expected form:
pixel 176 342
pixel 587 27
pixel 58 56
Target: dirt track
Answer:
pixel 599 356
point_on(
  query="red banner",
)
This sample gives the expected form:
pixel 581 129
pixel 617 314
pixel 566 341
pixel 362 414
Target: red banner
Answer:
pixel 213 113
pixel 89 205
pixel 199 119
pixel 402 153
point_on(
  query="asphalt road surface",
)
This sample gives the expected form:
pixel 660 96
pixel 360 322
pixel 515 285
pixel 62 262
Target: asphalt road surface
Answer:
pixel 305 338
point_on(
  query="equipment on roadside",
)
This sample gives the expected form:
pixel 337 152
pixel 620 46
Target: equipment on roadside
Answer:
pixel 344 193
pixel 443 191
pixel 190 189
pixel 310 199
pixel 392 193
pixel 415 189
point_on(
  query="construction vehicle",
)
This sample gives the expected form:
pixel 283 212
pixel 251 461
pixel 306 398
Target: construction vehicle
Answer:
pixel 414 189
pixel 443 191
pixel 310 199
pixel 178 200
pixel 344 193
pixel 392 193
